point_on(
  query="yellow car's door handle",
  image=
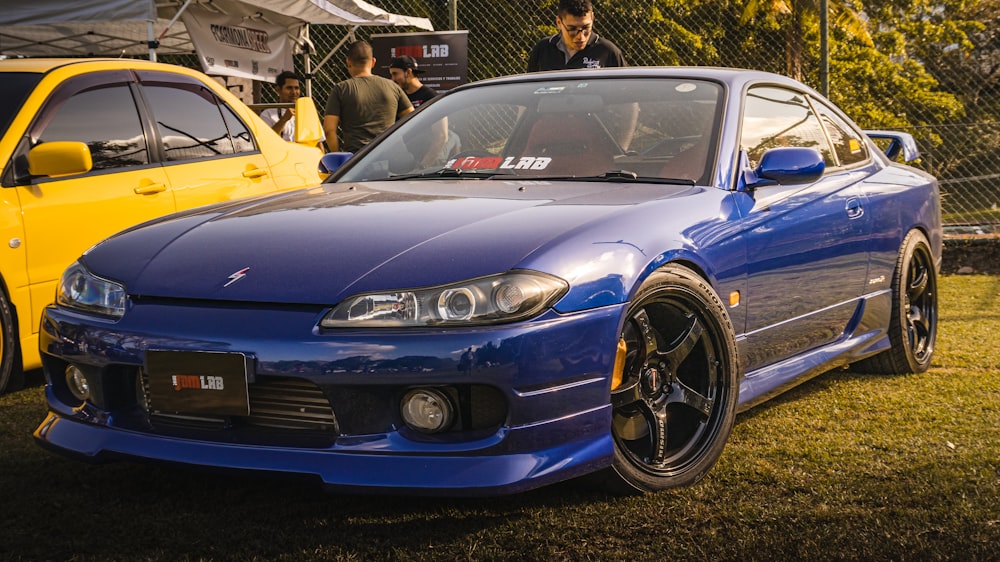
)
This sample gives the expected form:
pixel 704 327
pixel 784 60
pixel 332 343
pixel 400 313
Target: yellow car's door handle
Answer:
pixel 255 173
pixel 150 188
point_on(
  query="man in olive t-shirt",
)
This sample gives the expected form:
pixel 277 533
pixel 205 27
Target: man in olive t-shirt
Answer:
pixel 364 105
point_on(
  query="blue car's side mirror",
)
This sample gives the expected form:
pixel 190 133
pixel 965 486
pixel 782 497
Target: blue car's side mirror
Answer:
pixel 333 160
pixel 787 166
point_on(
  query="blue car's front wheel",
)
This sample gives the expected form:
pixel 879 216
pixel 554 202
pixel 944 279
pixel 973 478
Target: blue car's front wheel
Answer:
pixel 676 404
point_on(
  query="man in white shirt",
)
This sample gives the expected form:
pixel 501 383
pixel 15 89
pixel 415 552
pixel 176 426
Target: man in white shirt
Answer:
pixel 281 119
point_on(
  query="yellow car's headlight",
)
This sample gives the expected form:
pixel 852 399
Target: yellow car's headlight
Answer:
pixel 507 297
pixel 80 289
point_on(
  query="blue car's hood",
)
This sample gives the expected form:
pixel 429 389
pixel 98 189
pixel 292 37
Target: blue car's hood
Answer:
pixel 320 245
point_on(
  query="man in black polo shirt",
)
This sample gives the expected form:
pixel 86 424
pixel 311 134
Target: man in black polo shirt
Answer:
pixel 576 45
pixel 403 71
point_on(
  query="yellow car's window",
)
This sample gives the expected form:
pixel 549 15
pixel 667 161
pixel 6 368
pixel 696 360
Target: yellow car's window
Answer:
pixel 190 122
pixel 104 118
pixel 14 89
pixel 242 139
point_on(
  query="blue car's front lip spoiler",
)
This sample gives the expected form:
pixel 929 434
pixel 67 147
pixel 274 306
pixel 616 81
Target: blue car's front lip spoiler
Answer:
pixel 450 475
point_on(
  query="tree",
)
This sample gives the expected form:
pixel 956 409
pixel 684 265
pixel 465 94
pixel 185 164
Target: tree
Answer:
pixel 795 17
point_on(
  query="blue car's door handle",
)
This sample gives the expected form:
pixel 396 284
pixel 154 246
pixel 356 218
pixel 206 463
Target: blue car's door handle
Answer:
pixel 854 208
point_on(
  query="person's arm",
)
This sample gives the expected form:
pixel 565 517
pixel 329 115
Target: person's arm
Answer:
pixel 533 59
pixel 330 123
pixel 402 103
pixel 279 125
pixel 437 139
pixel 621 59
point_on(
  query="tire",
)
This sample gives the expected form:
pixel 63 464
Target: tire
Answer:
pixel 676 405
pixel 11 374
pixel 913 324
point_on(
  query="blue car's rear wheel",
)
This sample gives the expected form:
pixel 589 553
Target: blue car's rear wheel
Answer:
pixel 675 406
pixel 913 325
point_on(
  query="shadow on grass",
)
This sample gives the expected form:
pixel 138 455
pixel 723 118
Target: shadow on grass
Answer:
pixel 62 508
pixel 144 512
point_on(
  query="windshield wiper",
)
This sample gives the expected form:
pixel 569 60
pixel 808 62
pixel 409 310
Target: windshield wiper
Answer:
pixel 620 175
pixel 447 173
pixel 617 176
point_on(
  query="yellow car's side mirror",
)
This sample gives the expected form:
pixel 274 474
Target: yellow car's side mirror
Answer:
pixel 59 158
pixel 308 129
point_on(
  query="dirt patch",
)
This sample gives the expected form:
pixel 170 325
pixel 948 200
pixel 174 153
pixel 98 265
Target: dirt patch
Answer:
pixel 972 254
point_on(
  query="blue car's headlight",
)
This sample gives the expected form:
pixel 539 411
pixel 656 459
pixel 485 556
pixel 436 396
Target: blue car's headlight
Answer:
pixel 496 299
pixel 82 290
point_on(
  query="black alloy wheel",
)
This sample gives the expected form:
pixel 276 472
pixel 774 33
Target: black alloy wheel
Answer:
pixel 676 405
pixel 913 324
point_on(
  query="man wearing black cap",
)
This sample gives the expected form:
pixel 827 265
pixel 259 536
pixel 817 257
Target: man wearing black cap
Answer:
pixel 403 71
pixel 441 143
pixel 576 45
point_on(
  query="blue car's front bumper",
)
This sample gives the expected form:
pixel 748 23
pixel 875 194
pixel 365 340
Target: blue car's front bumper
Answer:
pixel 548 379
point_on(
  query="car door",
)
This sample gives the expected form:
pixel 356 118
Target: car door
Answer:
pixel 209 154
pixel 807 244
pixel 63 216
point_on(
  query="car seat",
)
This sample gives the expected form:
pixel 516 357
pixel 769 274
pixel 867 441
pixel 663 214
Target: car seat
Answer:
pixel 578 145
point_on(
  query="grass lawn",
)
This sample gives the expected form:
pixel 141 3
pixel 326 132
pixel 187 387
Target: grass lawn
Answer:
pixel 844 467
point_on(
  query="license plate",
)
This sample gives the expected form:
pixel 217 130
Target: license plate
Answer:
pixel 198 382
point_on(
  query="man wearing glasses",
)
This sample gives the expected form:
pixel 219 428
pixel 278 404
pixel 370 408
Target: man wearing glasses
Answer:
pixel 576 45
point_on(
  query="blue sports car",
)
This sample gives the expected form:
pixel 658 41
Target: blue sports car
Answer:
pixel 531 279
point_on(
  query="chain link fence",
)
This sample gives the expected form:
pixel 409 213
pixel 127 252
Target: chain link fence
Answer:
pixel 931 70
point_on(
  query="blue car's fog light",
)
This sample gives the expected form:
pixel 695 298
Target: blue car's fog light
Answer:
pixel 427 410
pixel 77 382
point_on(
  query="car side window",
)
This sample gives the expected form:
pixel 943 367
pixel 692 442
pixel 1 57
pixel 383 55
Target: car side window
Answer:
pixel 106 119
pixel 190 121
pixel 848 144
pixel 775 117
pixel 242 139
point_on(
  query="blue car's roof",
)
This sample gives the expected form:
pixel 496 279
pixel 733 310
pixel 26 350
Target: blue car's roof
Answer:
pixel 734 78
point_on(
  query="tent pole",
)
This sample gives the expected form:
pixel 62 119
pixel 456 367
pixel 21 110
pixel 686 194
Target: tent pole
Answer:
pixel 151 43
pixel 307 61
pixel 350 35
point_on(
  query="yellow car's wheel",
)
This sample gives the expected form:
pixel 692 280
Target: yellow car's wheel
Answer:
pixel 11 374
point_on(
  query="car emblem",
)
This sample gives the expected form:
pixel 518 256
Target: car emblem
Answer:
pixel 237 276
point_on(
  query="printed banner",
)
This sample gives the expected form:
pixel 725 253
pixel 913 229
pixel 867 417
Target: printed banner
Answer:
pixel 231 45
pixel 443 56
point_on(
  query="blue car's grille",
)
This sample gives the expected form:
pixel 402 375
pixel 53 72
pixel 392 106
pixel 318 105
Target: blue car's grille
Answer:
pixel 284 403
pixel 290 403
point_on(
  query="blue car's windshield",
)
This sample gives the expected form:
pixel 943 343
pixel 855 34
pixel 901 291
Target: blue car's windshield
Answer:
pixel 662 128
pixel 14 89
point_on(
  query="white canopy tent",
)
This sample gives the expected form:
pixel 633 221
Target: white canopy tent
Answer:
pixel 114 28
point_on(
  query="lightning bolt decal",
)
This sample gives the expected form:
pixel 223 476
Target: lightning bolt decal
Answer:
pixel 237 276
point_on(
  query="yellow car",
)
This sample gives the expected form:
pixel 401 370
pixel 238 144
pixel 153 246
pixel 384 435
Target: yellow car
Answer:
pixel 92 146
